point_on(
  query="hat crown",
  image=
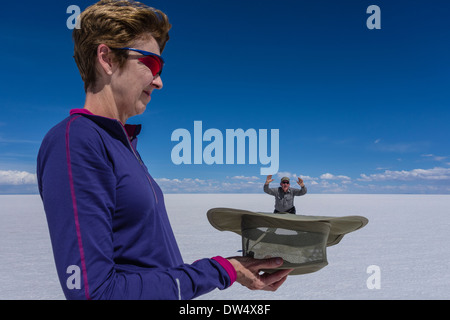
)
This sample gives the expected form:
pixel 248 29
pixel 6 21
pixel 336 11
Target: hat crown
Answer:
pixel 300 246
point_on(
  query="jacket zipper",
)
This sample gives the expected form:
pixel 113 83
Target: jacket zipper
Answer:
pixel 140 161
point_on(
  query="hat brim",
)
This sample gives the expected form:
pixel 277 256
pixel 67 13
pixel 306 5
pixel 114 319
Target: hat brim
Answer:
pixel 229 219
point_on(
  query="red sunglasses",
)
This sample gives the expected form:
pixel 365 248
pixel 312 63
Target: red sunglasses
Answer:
pixel 152 61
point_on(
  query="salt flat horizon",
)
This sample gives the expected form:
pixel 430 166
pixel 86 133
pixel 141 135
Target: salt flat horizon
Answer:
pixel 259 193
pixel 404 238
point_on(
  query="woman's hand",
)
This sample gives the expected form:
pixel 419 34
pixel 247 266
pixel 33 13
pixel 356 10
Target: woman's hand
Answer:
pixel 247 270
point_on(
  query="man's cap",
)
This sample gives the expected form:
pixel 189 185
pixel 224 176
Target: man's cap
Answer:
pixel 300 240
pixel 285 179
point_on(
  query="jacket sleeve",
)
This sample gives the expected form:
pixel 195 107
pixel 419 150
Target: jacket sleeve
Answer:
pixel 77 186
pixel 299 192
pixel 271 191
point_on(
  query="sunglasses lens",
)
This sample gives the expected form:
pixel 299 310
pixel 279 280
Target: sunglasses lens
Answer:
pixel 153 63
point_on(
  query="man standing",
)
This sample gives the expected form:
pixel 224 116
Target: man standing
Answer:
pixel 284 194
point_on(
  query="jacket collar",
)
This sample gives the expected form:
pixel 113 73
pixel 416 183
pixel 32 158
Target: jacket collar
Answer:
pixel 113 126
pixel 280 189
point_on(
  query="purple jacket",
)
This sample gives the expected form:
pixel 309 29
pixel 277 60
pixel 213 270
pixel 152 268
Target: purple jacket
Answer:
pixel 109 229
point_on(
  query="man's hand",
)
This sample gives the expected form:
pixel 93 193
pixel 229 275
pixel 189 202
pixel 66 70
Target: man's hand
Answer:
pixel 247 270
pixel 300 182
pixel 269 179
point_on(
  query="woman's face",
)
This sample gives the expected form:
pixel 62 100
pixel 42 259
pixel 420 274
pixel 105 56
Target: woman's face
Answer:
pixel 132 85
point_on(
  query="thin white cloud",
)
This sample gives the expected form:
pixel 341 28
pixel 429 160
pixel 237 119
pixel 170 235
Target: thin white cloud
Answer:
pixel 245 178
pixel 329 176
pixel 16 141
pixel 282 174
pixel 241 184
pixel 435 174
pixel 326 176
pixel 333 187
pixel 398 147
pixel 435 157
pixel 13 177
pixel 307 178
pixel 434 180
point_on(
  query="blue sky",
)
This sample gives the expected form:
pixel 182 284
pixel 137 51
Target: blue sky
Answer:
pixel 357 110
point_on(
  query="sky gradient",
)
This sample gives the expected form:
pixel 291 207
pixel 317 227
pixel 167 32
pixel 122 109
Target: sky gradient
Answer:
pixel 357 110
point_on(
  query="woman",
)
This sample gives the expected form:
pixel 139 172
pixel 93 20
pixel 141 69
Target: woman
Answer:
pixel 110 233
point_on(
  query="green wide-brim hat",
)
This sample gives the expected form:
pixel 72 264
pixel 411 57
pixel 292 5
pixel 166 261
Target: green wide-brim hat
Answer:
pixel 299 239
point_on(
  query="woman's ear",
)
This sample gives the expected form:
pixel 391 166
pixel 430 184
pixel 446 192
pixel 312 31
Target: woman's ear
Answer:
pixel 104 59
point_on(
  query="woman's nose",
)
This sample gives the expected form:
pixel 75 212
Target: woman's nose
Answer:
pixel 157 82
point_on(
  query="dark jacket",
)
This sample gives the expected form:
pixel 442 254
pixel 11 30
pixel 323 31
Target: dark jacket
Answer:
pixel 109 229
